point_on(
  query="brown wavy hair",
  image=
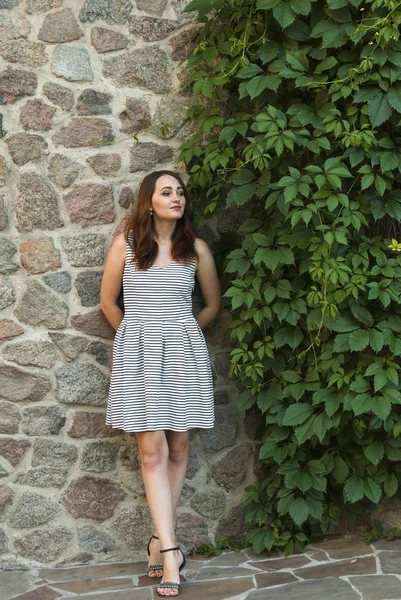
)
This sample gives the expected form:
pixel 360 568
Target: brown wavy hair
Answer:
pixel 140 230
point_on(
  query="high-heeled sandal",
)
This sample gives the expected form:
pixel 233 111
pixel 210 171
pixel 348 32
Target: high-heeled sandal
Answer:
pixel 171 585
pixel 158 567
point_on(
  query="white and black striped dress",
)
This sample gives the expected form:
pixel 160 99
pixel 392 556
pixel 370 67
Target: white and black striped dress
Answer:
pixel 161 376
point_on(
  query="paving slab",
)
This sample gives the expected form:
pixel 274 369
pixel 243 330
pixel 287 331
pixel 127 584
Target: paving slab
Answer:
pixel 329 589
pixel 345 547
pixel 139 594
pixel 13 583
pixel 232 559
pixel 265 580
pixel 95 585
pixel 385 545
pixel 223 572
pixel 378 587
pixel 292 562
pixel 317 554
pixel 216 590
pixel 40 593
pixel 390 562
pixel 93 571
pixel 353 566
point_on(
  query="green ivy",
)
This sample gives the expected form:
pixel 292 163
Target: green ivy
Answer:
pixel 297 113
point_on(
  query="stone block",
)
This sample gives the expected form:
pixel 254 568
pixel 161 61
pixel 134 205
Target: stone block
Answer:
pixel 90 204
pixel 90 103
pixel 13 449
pixel 39 256
pixel 43 477
pixel 7 292
pixel 209 503
pixel 153 7
pixel 40 307
pixel 37 204
pixel 63 171
pixel 87 424
pixel 72 62
pixel 379 587
pixel 32 510
pixel 101 352
pixel 129 457
pixel 6 498
pixel 70 345
pixel 170 116
pixel 95 540
pixel 84 132
pixel 192 531
pixel 36 115
pixel 146 155
pixel 3 173
pixel 152 29
pixel 9 329
pixel 107 40
pixel 60 282
pixel 347 547
pixel 31 353
pixel 126 197
pixel 87 284
pixel 15 84
pixel 99 456
pixel 60 27
pixel 136 116
pixel 88 497
pixel 105 165
pixel 145 67
pixel 183 43
pixel 232 525
pixel 40 6
pixel 133 525
pixel 24 147
pixel 342 568
pixel 85 250
pixel 81 383
pixel 9 418
pixel 24 52
pixel 44 545
pixel 50 453
pixel 231 470
pixel 93 323
pixel 17 385
pixel 332 587
pixel 112 11
pixel 59 95
pixel 225 430
pixel 42 420
pixel 8 251
pixel 3 214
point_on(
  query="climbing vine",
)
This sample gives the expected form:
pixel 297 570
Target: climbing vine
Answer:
pixel 297 112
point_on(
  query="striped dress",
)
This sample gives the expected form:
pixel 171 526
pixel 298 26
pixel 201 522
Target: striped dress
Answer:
pixel 161 377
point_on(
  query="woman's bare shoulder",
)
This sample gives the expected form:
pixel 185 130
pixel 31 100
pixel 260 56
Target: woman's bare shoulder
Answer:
pixel 201 247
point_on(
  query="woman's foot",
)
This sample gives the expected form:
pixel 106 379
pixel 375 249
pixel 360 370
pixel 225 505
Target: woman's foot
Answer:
pixel 174 561
pixel 155 564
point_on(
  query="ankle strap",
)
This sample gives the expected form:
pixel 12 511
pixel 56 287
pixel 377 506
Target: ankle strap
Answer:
pixel 169 550
pixel 155 537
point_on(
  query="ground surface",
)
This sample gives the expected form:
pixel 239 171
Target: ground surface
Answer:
pixel 335 569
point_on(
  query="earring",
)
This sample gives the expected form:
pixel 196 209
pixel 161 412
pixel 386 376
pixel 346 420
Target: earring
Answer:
pixel 151 212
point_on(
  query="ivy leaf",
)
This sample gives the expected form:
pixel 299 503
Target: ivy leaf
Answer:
pixel 390 485
pixel 240 195
pixel 301 7
pixel 374 452
pixel 303 481
pixel 297 414
pixel 394 97
pixel 354 489
pixel 249 71
pixel 266 4
pixel 362 314
pixel 341 469
pixel 381 407
pixel 326 64
pixel 268 51
pixel 358 340
pixel 388 161
pixel 283 14
pixel 372 490
pixel 245 401
pixel 376 340
pixel 379 109
pixel 299 511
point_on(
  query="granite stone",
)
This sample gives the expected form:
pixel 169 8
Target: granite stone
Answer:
pixel 72 62
pixel 83 132
pixel 8 250
pixel 50 453
pixel 24 52
pixel 59 27
pixel 231 470
pixel 39 256
pixel 32 510
pixel 209 504
pixel 90 204
pixel 17 385
pixel 81 383
pixel 70 345
pixel 9 329
pixel 15 84
pixel 37 204
pixel 63 171
pixel 90 103
pixel 40 6
pixel 86 424
pixel 136 116
pixel 13 449
pixel 111 11
pixel 146 155
pixel 44 545
pixel 85 250
pixel 60 282
pixel 107 40
pixel 31 353
pixel 42 420
pixel 59 95
pixel 144 67
pixel 133 525
pixel 36 115
pixel 93 498
pixel 192 530
pixel 99 456
pixel 93 323
pixel 105 165
pixel 9 418
pixel 93 539
pixel 7 292
pixel 153 7
pixel 224 433
pixel 40 307
pixel 152 29
pixel 25 147
pixel 43 477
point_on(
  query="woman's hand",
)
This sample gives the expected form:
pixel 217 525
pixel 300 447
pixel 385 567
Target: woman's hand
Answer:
pixel 209 283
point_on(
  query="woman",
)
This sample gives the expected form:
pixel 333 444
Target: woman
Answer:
pixel 161 383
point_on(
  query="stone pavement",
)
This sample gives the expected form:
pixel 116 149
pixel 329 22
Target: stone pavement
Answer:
pixel 338 568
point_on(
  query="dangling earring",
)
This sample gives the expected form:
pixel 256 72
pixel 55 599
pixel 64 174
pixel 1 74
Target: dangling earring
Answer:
pixel 151 211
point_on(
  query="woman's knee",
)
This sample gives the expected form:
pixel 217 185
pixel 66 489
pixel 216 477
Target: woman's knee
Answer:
pixel 178 450
pixel 153 451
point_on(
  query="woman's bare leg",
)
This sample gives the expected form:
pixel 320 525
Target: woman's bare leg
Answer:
pixel 154 453
pixel 178 445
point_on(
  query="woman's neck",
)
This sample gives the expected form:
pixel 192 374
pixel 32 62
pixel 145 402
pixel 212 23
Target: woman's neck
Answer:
pixel 164 231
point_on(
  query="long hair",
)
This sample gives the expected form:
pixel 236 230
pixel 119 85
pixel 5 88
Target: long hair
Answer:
pixel 140 230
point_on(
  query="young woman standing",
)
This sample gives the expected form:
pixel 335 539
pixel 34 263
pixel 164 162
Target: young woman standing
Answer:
pixel 161 383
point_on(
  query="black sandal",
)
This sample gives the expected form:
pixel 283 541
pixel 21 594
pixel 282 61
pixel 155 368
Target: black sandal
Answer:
pixel 171 585
pixel 158 567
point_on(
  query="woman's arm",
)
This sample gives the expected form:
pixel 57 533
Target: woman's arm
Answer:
pixel 209 284
pixel 112 281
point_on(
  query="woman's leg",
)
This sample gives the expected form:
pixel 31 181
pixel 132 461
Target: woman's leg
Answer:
pixel 154 452
pixel 178 445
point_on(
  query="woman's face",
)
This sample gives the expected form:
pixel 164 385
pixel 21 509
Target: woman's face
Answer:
pixel 168 200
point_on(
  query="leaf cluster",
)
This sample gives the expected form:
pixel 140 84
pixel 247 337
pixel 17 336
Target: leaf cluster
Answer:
pixel 297 113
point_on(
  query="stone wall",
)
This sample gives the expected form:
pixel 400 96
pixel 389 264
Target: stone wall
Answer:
pixel 91 98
